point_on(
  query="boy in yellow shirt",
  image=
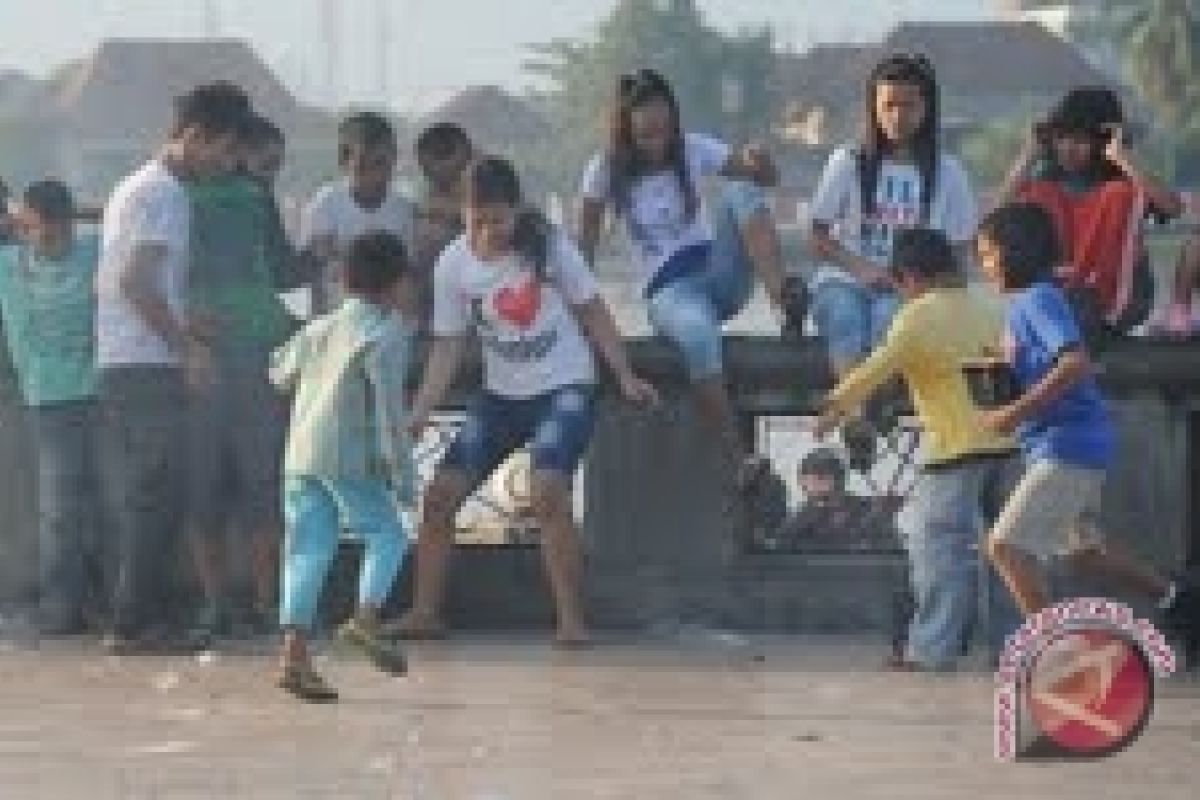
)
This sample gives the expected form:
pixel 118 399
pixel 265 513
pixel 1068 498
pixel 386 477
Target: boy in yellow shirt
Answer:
pixel 966 471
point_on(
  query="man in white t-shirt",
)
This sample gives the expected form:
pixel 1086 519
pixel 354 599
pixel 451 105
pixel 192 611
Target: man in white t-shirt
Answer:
pixel 148 347
pixel 363 200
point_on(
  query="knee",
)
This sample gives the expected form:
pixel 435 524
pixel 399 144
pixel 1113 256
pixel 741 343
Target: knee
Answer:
pixel 693 327
pixel 841 320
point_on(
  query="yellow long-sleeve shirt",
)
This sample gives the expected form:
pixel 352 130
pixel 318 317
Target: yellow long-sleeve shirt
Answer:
pixel 930 337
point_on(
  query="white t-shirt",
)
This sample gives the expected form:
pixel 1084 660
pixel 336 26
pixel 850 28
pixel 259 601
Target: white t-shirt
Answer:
pixel 334 212
pixel 148 207
pixel 838 203
pixel 656 222
pixel 532 342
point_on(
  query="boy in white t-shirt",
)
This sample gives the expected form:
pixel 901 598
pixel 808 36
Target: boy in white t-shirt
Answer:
pixel 148 346
pixel 364 200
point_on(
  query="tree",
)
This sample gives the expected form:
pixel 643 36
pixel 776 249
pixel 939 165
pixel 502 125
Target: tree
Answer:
pixel 723 83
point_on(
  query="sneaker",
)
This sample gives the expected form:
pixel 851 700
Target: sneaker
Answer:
pixel 366 637
pixel 305 683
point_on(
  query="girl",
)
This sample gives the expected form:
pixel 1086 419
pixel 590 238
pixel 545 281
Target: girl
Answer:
pixel 694 275
pixel 525 289
pixel 1078 167
pixel 896 177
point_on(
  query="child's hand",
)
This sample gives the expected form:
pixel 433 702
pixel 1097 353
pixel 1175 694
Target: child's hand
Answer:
pixel 638 391
pixel 1003 420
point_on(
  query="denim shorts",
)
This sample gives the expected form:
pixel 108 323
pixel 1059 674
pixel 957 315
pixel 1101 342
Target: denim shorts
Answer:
pixel 556 426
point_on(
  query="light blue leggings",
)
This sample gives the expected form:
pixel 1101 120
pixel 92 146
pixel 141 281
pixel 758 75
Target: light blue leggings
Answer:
pixel 315 510
pixel 690 311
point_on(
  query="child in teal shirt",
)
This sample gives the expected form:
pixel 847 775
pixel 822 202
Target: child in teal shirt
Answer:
pixel 47 298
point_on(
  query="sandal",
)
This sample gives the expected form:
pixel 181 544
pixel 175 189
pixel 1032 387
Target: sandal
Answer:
pixel 383 655
pixel 305 683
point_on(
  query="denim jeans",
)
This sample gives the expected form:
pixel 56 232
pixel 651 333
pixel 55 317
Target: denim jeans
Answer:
pixel 69 512
pixel 943 526
pixel 690 311
pixel 142 409
pixel 852 318
pixel 315 511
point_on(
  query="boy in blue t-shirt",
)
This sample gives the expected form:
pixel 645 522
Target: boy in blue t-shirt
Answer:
pixel 1063 424
pixel 47 297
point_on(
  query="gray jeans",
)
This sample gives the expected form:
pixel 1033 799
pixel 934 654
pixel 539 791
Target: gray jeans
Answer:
pixel 142 409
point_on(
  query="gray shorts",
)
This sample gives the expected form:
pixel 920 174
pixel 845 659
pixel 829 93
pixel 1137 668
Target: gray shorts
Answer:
pixel 1054 509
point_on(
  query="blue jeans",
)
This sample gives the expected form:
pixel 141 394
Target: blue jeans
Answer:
pixel 690 311
pixel 852 318
pixel 943 526
pixel 315 510
pixel 69 511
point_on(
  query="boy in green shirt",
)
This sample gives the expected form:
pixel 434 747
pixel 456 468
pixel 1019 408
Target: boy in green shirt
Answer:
pixel 47 297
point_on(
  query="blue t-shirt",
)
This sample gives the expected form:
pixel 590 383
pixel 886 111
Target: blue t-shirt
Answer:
pixel 1076 428
pixel 49 311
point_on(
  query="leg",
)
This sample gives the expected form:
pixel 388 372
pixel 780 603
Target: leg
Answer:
pixel 683 315
pixel 745 243
pixel 309 548
pixel 557 447
pixel 60 438
pixel 212 430
pixel 942 528
pixel 484 441
pixel 143 414
pixel 842 314
pixel 1021 574
pixel 1117 565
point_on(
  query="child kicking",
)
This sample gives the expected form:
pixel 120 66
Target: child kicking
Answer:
pixel 348 456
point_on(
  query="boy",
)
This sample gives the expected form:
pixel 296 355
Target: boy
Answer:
pixel 148 347
pixel 444 151
pixel 347 452
pixel 235 423
pixel 966 469
pixel 47 291
pixel 364 199
pixel 1064 426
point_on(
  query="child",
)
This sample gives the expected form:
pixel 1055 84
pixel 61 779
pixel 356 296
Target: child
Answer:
pixel 236 423
pixel 347 454
pixel 364 199
pixel 47 296
pixel 525 289
pixel 444 152
pixel 693 274
pixel 1078 166
pixel 150 349
pixel 966 470
pixel 1063 424
pixel 898 177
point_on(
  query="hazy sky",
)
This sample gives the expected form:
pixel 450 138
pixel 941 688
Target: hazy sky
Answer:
pixel 436 45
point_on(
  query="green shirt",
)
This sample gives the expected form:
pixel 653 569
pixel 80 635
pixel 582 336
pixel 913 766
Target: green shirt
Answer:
pixel 347 371
pixel 233 266
pixel 49 310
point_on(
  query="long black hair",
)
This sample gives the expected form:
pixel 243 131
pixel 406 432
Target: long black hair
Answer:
pixel 915 70
pixel 493 180
pixel 625 164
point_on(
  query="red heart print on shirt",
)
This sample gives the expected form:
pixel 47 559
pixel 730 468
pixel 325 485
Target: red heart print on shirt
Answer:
pixel 519 305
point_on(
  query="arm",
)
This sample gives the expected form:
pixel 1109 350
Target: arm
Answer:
pixel 1072 366
pixel 827 248
pixel 139 286
pixel 1019 171
pixel 442 366
pixel 386 367
pixel 591 223
pixel 601 329
pixel 1160 196
pixel 862 381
